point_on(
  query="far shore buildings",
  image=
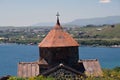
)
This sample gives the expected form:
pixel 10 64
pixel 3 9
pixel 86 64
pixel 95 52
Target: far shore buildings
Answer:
pixel 59 58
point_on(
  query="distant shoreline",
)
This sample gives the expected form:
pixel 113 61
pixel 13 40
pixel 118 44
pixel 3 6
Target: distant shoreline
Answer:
pixel 112 46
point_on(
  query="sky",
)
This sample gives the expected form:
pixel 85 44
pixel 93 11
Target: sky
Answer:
pixel 29 12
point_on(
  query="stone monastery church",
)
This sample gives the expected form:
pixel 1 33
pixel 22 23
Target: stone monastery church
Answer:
pixel 59 57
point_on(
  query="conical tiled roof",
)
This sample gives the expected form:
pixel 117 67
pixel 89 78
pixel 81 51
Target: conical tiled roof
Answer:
pixel 57 37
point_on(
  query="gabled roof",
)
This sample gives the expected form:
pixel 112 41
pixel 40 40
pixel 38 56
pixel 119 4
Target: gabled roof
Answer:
pixel 63 67
pixel 92 67
pixel 57 37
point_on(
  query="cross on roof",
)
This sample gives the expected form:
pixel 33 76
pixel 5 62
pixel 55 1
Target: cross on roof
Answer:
pixel 57 14
pixel 58 18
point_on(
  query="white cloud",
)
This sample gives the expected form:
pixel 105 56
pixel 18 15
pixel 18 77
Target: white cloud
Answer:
pixel 105 1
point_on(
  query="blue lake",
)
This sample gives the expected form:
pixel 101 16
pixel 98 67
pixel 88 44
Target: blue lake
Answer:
pixel 11 54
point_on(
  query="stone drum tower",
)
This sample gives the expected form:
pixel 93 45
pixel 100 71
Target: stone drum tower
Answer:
pixel 59 47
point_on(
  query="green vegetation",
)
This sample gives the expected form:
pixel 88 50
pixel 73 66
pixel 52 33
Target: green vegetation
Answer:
pixel 98 32
pixel 108 32
pixel 99 42
pixel 32 78
pixel 108 74
pixel 105 35
pixel 102 35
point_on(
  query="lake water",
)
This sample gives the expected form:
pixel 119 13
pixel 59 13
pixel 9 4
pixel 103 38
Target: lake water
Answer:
pixel 11 54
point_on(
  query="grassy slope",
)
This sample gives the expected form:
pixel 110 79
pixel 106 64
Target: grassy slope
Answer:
pixel 106 32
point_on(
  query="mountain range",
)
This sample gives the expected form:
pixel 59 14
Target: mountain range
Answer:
pixel 82 22
pixel 97 21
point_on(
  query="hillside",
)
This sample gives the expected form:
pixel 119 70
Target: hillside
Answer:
pixel 87 35
pixel 103 32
